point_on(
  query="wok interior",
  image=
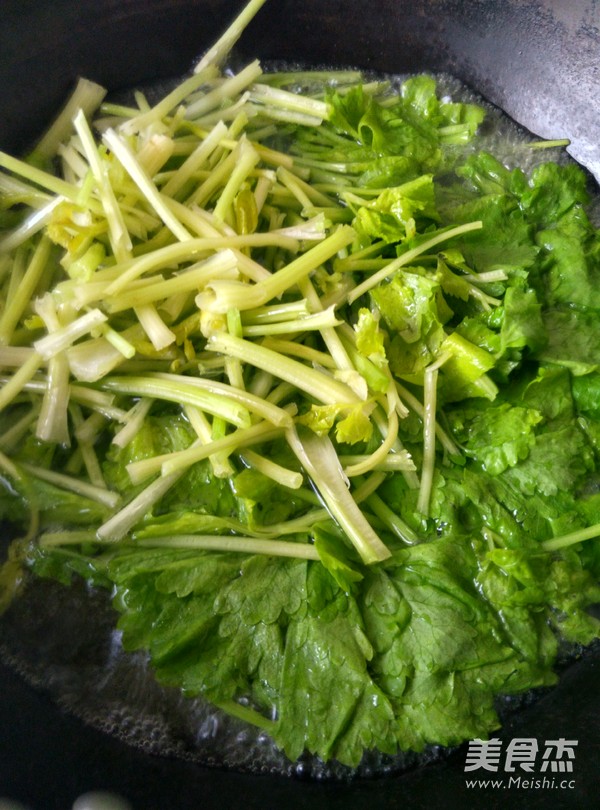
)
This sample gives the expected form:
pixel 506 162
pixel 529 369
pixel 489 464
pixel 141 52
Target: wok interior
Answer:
pixel 534 60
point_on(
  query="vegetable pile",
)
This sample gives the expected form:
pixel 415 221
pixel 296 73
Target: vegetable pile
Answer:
pixel 312 383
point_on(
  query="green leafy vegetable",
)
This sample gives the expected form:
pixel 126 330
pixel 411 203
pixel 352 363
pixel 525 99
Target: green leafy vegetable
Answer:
pixel 310 380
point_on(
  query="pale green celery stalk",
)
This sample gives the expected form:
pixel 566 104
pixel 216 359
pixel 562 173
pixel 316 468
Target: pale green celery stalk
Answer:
pixel 368 486
pixel 486 277
pixel 179 385
pixel 408 257
pixel 221 466
pixel 300 525
pixel 7 267
pixel 19 380
pixel 83 267
pixel 39 177
pixel 73 537
pixel 60 339
pixel 153 325
pixel 306 194
pixel 220 265
pixel 17 432
pixel 187 251
pixel 379 418
pixel 219 52
pixel 126 157
pixel 570 539
pixel 88 430
pixel 331 338
pixel 86 97
pixel 315 383
pixel 339 171
pixel 153 117
pixel 318 457
pixel 394 396
pixel 73 466
pixel 247 159
pixel 429 421
pixel 13 275
pixel 295 349
pixel 154 153
pixel 180 460
pixel 182 389
pixel 195 160
pixel 282 392
pixel 116 527
pixel 99 401
pixel 225 294
pixel 310 230
pixel 30 226
pixel 283 116
pixel 391 519
pixel 381 453
pixel 119 235
pixel 294 102
pixel 133 422
pixel 560 142
pixel 282 475
pixel 275 313
pixel 120 238
pixel 84 295
pixel 228 89
pixel 444 439
pixel 217 178
pixel 95 358
pixel 393 462
pixel 73 163
pixel 234 370
pixel 52 424
pixel 18 302
pixel 224 113
pixel 346 263
pixel 118 342
pixel 261 383
pixel 262 189
pixel 319 78
pixel 247 715
pixel 273 157
pixel 326 319
pixel 173 307
pixel 86 447
pixel 15 192
pixel 72 484
pixel 244 545
pixel 14 356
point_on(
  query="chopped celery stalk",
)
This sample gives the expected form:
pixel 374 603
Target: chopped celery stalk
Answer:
pixel 219 52
pixel 245 545
pixel 319 458
pixel 86 97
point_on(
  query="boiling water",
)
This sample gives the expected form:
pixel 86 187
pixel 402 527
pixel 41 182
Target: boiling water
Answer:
pixel 63 641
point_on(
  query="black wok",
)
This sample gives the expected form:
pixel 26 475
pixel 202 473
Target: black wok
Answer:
pixel 539 60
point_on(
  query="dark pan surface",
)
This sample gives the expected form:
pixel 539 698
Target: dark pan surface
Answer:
pixel 539 60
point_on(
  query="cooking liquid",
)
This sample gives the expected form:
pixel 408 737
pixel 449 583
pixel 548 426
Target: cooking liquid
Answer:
pixel 63 640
